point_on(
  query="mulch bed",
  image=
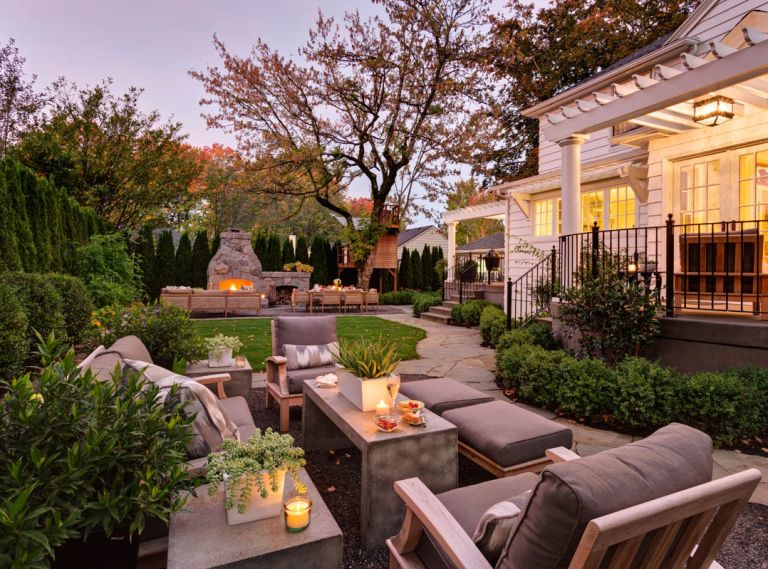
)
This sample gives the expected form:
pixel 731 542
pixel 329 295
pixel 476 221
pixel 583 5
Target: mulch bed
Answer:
pixel 337 477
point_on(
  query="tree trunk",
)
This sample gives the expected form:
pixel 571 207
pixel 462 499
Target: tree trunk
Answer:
pixel 364 274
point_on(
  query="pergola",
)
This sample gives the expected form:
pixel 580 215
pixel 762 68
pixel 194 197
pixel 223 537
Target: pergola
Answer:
pixel 491 210
pixel 660 96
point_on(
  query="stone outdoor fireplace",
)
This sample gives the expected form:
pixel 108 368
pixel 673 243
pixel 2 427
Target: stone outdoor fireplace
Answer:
pixel 235 265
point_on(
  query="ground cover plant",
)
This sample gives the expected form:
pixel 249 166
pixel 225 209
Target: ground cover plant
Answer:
pixel 257 338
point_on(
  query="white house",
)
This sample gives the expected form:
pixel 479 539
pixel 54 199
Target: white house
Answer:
pixel 415 238
pixel 678 129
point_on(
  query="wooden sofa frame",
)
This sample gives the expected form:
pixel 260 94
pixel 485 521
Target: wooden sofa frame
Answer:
pixel 277 386
pixel 535 465
pixel 675 524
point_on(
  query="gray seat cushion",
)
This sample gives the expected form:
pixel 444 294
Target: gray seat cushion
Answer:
pixel 297 377
pixel 302 330
pixel 442 394
pixel 467 505
pixel 103 365
pixel 570 494
pixel 132 348
pixel 236 408
pixel 506 433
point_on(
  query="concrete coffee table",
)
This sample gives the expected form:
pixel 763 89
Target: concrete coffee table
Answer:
pixel 240 384
pixel 331 421
pixel 200 538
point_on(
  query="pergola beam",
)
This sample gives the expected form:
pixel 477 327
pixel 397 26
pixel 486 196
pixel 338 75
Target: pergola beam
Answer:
pixel 716 75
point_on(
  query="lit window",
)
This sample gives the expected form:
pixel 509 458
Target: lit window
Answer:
pixel 621 212
pixel 592 209
pixel 700 192
pixel 543 211
pixel 753 186
pixel 559 216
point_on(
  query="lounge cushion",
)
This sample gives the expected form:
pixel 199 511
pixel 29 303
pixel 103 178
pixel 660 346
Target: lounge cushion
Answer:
pixel 131 347
pixel 86 363
pixel 497 524
pixel 467 505
pixel 572 493
pixel 297 377
pixel 441 394
pixel 302 330
pixel 104 365
pixel 506 433
pixel 150 371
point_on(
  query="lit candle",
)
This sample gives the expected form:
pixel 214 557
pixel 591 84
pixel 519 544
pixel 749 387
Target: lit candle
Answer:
pixel 382 409
pixel 632 268
pixel 240 361
pixel 297 513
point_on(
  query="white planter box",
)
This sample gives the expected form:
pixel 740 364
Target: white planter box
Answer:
pixel 220 358
pixel 365 394
pixel 259 508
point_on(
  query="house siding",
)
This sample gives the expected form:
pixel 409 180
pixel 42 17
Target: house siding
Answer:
pixel 723 17
pixel 431 237
pixel 598 147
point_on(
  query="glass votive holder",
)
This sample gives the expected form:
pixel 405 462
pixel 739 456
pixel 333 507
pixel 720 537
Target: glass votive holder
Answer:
pixel 297 511
pixel 240 361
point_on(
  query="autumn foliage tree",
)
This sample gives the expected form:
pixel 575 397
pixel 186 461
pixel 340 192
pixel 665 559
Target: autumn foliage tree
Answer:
pixel 388 100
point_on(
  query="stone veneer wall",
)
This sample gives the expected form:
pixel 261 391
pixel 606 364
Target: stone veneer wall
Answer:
pixel 270 280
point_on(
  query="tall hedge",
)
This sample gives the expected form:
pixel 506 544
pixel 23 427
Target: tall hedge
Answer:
pixel 417 282
pixel 318 258
pixel 201 256
pixel 41 227
pixel 165 260
pixel 14 340
pixel 273 254
pixel 288 255
pixel 302 251
pixel 184 261
pixel 427 268
pixel 145 253
pixel 437 278
pixel 404 273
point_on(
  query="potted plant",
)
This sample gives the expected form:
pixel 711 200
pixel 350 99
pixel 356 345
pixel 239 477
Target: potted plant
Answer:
pixel 253 475
pixel 220 349
pixel 369 363
pixel 75 493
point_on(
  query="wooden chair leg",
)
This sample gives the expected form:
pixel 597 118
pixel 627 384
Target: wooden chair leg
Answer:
pixel 285 410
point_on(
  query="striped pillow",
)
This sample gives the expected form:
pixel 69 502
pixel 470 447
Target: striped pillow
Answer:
pixel 310 356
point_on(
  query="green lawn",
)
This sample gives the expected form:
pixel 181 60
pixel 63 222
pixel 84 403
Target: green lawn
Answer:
pixel 255 334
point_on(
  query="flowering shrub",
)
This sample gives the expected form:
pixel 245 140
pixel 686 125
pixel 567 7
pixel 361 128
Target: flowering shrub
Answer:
pixel 220 341
pixel 298 267
pixel 165 329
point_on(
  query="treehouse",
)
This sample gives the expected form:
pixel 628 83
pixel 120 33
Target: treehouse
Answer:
pixel 385 253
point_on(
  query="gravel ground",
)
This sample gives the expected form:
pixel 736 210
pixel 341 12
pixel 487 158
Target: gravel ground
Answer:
pixel 337 476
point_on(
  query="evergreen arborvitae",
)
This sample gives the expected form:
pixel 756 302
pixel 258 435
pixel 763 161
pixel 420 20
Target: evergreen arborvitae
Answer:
pixel 404 274
pixel 215 245
pixel 318 260
pixel 437 254
pixel 10 260
pixel 302 253
pixel 53 219
pixel 145 252
pixel 184 261
pixel 387 281
pixel 165 260
pixel 288 255
pixel 259 244
pixel 416 280
pixel 274 254
pixel 427 268
pixel 331 266
pixel 201 256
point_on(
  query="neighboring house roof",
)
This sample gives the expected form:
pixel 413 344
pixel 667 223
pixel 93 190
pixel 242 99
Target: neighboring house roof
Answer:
pixel 405 236
pixel 495 241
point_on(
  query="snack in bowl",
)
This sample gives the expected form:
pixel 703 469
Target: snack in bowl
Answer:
pixel 410 406
pixel 386 423
pixel 414 418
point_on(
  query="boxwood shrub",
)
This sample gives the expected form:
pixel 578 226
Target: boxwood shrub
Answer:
pixel 637 395
pixel 404 296
pixel 76 304
pixel 468 314
pixel 14 342
pixel 493 323
pixel 423 301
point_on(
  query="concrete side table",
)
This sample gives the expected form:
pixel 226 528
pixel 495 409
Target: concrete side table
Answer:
pixel 331 421
pixel 240 384
pixel 200 538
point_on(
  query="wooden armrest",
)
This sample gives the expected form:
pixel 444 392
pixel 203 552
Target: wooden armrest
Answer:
pixel 276 373
pixel 425 511
pixel 218 379
pixel 277 360
pixel 561 454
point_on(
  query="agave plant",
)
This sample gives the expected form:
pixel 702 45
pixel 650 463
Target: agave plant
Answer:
pixel 368 359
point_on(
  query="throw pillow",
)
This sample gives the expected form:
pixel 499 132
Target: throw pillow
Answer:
pixel 496 526
pixel 152 372
pixel 310 356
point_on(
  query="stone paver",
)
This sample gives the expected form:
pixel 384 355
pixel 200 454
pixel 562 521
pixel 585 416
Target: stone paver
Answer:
pixel 455 352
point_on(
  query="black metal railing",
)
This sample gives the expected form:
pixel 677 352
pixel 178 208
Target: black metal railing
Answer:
pixel 489 266
pixel 712 266
pixel 530 294
pixel 462 280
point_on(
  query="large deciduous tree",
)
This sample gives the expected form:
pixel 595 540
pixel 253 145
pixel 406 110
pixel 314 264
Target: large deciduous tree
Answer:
pixel 18 100
pixel 109 154
pixel 386 100
pixel 538 53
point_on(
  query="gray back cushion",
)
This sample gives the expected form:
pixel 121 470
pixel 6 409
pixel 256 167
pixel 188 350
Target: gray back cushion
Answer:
pixel 570 494
pixel 305 330
pixel 131 348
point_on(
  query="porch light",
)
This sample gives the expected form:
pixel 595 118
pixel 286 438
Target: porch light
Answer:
pixel 714 111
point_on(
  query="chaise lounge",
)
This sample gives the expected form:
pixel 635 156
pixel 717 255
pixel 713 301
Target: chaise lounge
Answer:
pixel 647 504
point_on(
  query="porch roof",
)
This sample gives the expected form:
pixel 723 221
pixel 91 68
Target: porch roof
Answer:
pixel 661 97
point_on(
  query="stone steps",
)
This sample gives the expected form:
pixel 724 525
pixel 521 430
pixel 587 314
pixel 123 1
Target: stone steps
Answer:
pixel 435 317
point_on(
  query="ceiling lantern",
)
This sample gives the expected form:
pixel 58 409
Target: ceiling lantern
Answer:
pixel 713 111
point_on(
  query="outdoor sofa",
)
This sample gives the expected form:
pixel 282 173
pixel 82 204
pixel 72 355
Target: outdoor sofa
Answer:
pixel 201 301
pixel 650 503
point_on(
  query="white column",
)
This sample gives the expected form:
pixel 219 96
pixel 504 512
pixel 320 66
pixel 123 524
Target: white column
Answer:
pixel 570 182
pixel 451 247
